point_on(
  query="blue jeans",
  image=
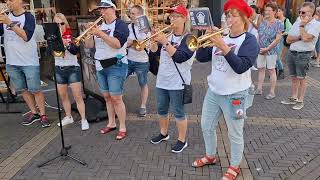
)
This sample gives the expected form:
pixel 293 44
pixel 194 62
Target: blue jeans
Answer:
pixel 173 98
pixel 111 79
pixel 141 69
pixel 279 64
pixel 68 74
pixel 24 77
pixel 233 108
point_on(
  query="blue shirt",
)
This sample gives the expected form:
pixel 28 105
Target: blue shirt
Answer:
pixel 267 34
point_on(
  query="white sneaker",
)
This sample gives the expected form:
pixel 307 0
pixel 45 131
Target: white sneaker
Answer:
pixel 66 120
pixel 84 125
pixel 254 68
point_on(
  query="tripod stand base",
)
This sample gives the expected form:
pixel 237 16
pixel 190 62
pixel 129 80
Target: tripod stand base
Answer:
pixel 63 153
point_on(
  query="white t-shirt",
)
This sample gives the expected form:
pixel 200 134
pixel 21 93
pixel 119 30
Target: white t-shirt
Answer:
pixel 168 77
pixel 134 55
pixel 313 27
pixel 68 60
pixel 20 52
pixel 103 50
pixel 223 80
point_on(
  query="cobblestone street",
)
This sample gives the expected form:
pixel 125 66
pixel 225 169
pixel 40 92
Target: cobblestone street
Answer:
pixel 280 143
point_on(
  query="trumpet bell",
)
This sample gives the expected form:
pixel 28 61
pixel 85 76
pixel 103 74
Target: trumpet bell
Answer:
pixel 138 45
pixel 58 53
pixel 192 43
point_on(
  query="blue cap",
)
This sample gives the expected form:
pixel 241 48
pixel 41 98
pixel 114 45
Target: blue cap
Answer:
pixel 106 4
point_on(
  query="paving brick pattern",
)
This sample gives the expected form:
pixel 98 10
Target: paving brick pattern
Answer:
pixel 279 143
pixel 277 148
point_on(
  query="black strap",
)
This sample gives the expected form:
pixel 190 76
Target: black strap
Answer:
pixel 134 33
pixel 179 72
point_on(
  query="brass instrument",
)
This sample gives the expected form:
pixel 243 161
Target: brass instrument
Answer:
pixel 141 45
pixel 58 53
pixel 195 43
pixel 4 8
pixel 85 35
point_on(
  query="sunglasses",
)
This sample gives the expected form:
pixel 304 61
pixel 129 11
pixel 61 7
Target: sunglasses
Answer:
pixel 302 12
pixel 62 24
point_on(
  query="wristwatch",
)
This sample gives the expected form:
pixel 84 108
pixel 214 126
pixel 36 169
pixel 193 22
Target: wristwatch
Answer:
pixel 302 26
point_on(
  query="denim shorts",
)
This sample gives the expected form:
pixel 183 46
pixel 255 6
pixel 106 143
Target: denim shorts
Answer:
pixel 112 79
pixel 68 74
pixel 318 45
pixel 141 69
pixel 298 64
pixel 25 77
pixel 174 98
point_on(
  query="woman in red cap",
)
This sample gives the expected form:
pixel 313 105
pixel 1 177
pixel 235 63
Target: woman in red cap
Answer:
pixel 174 71
pixel 229 84
pixel 68 73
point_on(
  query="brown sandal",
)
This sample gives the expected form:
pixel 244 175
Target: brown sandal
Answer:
pixel 199 163
pixel 231 176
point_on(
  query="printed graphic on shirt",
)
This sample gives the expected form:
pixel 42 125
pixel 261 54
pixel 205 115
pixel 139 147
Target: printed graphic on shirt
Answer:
pixel 221 64
pixel 12 36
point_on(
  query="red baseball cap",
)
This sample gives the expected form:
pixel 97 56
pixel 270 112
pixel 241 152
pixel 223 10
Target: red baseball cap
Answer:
pixel 180 10
pixel 240 5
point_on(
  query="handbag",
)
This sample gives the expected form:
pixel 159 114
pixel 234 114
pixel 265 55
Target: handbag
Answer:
pixel 187 89
pixel 153 60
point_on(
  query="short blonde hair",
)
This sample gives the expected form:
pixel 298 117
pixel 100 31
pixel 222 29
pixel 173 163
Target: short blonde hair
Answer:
pixel 63 18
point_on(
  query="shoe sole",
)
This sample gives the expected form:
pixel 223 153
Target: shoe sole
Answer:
pixel 27 124
pixel 84 129
pixel 164 139
pixel 297 108
pixel 142 115
pixel 65 124
pixel 269 98
pixel 185 146
pixel 45 126
pixel 288 103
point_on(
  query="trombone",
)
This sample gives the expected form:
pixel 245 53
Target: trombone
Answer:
pixel 85 35
pixel 203 41
pixel 141 45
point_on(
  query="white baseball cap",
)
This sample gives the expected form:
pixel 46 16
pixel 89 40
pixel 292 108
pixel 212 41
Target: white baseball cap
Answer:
pixel 106 4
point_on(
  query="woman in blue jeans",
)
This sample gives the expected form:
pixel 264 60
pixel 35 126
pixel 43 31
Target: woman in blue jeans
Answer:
pixel 68 73
pixel 229 83
pixel 174 70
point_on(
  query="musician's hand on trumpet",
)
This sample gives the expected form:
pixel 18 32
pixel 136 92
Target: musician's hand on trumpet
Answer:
pixel 217 40
pixel 161 38
pixel 154 45
pixel 4 19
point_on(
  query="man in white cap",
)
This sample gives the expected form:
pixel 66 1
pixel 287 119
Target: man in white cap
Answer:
pixel 110 41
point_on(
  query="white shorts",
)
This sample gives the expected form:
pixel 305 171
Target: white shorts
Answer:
pixel 267 61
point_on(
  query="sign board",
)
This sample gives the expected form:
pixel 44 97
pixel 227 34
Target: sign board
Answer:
pixel 200 18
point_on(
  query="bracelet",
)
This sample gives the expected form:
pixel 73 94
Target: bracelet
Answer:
pixel 302 26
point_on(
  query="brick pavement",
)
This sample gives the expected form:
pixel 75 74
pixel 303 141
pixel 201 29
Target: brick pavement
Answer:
pixel 279 143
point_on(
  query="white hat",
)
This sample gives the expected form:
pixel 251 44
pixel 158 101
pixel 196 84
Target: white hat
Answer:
pixel 106 4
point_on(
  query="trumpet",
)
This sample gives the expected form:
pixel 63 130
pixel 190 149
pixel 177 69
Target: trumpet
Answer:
pixel 4 8
pixel 141 45
pixel 195 43
pixel 85 35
